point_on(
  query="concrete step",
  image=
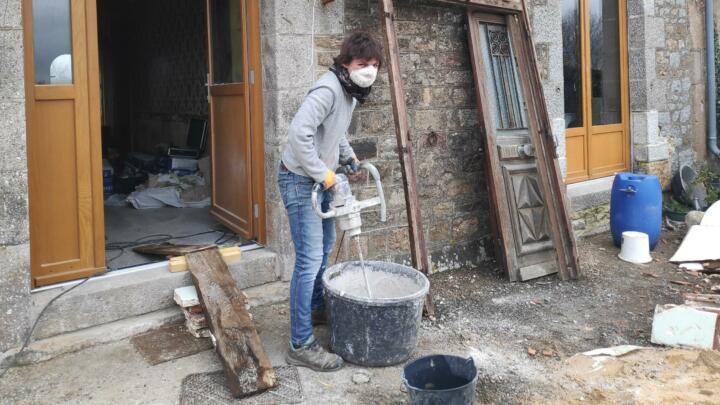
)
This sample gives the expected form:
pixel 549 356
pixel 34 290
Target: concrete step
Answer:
pixel 126 294
pixel 46 349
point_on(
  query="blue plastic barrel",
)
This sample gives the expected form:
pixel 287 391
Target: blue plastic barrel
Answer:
pixel 636 205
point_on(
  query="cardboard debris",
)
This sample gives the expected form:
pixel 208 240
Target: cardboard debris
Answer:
pixel 700 244
pixel 682 325
pixel 712 216
pixel 691 266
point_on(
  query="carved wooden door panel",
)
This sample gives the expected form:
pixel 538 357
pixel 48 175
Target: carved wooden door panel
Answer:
pixel 521 212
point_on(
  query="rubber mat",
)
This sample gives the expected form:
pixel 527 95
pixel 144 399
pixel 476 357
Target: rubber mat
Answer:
pixel 210 388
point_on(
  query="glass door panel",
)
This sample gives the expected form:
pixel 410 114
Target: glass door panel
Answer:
pixel 605 61
pixel 52 45
pixel 227 41
pixel 572 64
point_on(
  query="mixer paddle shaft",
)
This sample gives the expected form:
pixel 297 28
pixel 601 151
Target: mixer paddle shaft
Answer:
pixel 362 265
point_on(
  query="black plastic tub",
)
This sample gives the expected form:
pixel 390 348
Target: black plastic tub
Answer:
pixel 441 379
pixel 377 331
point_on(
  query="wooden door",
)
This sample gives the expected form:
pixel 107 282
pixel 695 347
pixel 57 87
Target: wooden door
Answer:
pixel 520 208
pixel 596 88
pixel 235 115
pixel 63 140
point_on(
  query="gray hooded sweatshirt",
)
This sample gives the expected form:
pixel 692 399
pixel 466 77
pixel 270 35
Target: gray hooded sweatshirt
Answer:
pixel 317 134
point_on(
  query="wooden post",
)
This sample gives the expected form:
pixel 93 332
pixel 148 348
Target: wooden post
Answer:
pixel 247 367
pixel 418 249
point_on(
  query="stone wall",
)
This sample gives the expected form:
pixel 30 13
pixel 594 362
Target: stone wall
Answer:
pixel 667 84
pixel 435 64
pixel 14 234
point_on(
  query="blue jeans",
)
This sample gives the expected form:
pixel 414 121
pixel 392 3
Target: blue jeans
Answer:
pixel 313 238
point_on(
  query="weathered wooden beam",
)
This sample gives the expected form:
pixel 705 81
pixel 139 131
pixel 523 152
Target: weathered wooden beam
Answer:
pixel 418 249
pixel 230 255
pixel 247 367
pixel 494 5
pixel 169 249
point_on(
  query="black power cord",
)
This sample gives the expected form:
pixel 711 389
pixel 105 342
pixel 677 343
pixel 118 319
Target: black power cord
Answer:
pixel 121 246
pixel 42 312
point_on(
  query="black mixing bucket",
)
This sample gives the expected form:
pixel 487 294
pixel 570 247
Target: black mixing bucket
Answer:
pixel 441 379
pixel 377 331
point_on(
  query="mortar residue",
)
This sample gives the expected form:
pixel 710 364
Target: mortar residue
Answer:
pixel 384 285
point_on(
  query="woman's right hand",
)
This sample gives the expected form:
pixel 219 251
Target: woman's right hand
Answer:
pixel 329 179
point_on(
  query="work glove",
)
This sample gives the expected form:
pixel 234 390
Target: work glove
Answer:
pixel 351 165
pixel 329 179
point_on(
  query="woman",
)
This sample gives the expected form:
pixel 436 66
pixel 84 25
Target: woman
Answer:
pixel 317 145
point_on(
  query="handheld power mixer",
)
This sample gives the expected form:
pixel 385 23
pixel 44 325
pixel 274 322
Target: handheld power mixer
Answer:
pixel 346 208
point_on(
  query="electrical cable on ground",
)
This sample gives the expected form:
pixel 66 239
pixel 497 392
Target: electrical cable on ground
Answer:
pixel 342 238
pixel 32 329
pixel 121 246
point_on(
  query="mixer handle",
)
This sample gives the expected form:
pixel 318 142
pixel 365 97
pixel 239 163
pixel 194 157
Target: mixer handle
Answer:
pixel 378 184
pixel 318 187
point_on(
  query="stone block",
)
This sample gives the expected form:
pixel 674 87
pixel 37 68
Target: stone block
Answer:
pixel 11 65
pixel 644 127
pixel 660 168
pixel 639 91
pixel 12 136
pixel 641 64
pixel 641 8
pixel 296 17
pixel 14 294
pixel 547 25
pixel 11 14
pixel 654 32
pixel 14 217
pixel 288 102
pixel 364 148
pixel 652 152
pixel 557 126
pixel 294 62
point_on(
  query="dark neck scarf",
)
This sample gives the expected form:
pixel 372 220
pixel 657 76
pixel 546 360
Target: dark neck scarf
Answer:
pixel 360 93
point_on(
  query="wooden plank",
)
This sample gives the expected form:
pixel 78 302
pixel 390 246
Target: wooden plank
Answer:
pixel 169 249
pixel 491 5
pixel 702 299
pixel 231 254
pixel 247 367
pixel 418 249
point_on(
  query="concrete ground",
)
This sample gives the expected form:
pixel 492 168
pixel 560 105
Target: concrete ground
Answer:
pixel 124 225
pixel 479 314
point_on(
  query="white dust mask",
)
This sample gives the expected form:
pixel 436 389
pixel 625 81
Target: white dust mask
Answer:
pixel 364 77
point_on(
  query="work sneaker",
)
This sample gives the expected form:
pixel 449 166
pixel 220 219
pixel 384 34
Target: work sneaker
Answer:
pixel 313 356
pixel 318 317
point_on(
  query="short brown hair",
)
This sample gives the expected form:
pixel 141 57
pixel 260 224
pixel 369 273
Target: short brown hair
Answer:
pixel 360 45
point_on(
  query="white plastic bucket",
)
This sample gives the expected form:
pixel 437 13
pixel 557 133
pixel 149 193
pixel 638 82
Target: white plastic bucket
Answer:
pixel 635 247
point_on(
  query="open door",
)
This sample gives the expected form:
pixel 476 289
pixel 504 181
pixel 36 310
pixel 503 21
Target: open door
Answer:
pixel 234 115
pixel 63 140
